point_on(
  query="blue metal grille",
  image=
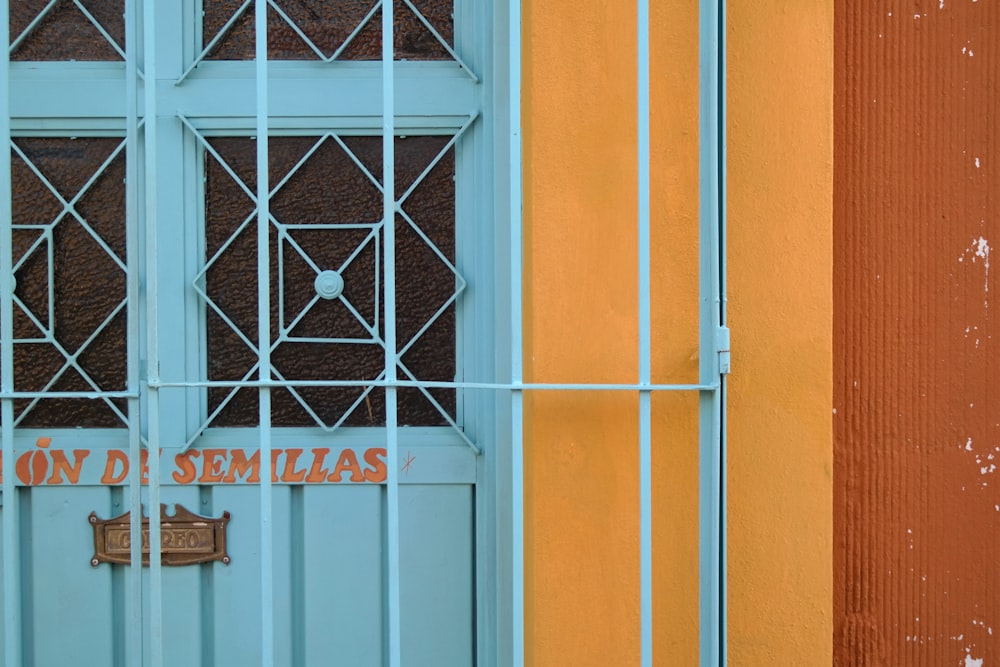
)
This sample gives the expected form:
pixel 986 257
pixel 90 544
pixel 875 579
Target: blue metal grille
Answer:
pixel 152 396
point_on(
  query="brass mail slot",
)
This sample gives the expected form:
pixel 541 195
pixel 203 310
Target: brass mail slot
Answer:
pixel 185 538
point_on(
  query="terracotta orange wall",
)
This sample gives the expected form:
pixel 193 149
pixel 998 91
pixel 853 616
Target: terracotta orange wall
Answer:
pixel 582 550
pixel 917 438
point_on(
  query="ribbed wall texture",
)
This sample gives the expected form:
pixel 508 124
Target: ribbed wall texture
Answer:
pixel 916 418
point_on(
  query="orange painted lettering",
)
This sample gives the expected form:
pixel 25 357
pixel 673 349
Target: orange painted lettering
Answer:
pixel 290 474
pixel 211 467
pixel 115 456
pixel 375 457
pixel 317 473
pixel 348 461
pixel 39 467
pixel 144 466
pixel 186 469
pixel 240 465
pixel 23 468
pixel 32 467
pixel 275 453
pixel 60 465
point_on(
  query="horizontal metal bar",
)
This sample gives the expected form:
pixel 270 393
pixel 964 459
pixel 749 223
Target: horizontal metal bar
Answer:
pixel 434 384
pixel 69 394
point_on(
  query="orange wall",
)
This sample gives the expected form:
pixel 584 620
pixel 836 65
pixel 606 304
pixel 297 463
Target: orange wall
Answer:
pixel 582 550
pixel 780 260
pixel 916 430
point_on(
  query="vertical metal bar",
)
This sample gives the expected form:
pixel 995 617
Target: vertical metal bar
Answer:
pixel 709 483
pixel 134 607
pixel 152 334
pixel 391 417
pixel 645 402
pixel 11 523
pixel 264 342
pixel 516 336
pixel 723 490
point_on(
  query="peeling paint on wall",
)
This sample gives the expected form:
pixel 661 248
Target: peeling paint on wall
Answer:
pixel 916 433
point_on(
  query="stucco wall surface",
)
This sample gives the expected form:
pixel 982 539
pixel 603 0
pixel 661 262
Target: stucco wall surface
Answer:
pixel 917 436
pixel 780 239
pixel 582 497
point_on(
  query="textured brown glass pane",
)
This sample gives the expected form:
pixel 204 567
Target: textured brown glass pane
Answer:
pixel 328 24
pixel 63 269
pixel 65 33
pixel 329 189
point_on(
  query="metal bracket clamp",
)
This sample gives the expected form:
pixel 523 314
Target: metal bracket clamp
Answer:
pixel 722 348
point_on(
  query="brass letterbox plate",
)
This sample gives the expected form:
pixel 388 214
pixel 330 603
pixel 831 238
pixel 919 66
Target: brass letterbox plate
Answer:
pixel 185 538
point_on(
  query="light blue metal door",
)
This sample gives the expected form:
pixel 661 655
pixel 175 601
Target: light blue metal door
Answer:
pixel 256 238
pixel 259 238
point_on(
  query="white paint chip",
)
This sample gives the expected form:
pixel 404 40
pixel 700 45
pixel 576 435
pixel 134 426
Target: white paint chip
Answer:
pixel 980 249
pixel 977 159
pixel 981 246
pixel 969 660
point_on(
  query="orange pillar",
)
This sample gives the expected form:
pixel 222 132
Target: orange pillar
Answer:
pixel 916 428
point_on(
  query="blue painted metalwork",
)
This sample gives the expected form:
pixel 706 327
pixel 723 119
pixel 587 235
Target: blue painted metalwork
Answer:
pixel 710 402
pixel 645 351
pixel 134 617
pixel 516 329
pixel 436 384
pixel 724 467
pixel 150 185
pixel 264 339
pixel 11 509
pixel 391 357
pixel 47 10
pixel 428 98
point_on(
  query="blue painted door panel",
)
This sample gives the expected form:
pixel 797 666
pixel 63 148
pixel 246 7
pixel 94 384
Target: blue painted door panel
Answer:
pixel 328 578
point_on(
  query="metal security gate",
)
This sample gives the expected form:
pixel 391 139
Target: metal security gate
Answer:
pixel 713 347
pixel 268 241
pixel 242 235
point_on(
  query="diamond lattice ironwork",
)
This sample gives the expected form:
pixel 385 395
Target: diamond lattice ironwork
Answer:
pixel 327 32
pixel 302 267
pixel 56 32
pixel 61 258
